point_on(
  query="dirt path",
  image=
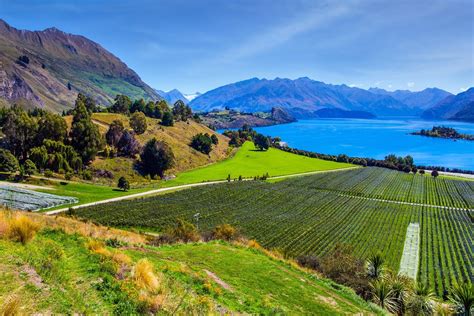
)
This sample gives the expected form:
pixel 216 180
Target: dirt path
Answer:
pixel 25 186
pixel 218 280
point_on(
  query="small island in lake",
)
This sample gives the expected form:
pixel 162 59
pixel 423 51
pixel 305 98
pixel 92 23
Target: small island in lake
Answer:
pixel 443 132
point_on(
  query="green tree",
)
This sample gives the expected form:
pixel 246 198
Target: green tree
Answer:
pixel 85 136
pixel 20 132
pixel 261 142
pixel 434 173
pixel 39 155
pixel 167 119
pixel 156 157
pixel 138 122
pixel 51 126
pixel 181 111
pixel 214 139
pixel 8 162
pixel 114 133
pixel 30 167
pixel 122 104
pixel 202 142
pixel 88 102
pixel 138 106
pixel 123 184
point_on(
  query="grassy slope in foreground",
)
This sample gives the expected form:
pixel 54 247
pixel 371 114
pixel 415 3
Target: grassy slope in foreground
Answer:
pixel 56 273
pixel 249 163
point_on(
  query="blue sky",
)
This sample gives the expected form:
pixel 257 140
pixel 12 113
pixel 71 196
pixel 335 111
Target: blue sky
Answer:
pixel 200 45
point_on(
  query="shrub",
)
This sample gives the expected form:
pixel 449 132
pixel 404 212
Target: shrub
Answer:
pixel 184 231
pixel 30 167
pixel 48 173
pixel 167 119
pixel 225 232
pixel 253 244
pixel 138 122
pixel 202 143
pixel 123 184
pixel 157 157
pixel 310 262
pixel 22 229
pixel 163 239
pixel 214 139
pixel 87 175
pixel 144 275
pixel 8 162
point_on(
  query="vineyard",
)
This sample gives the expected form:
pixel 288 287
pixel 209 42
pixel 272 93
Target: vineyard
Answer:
pixel 311 214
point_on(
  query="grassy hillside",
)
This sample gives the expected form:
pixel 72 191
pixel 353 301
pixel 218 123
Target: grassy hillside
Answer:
pixel 249 162
pixel 178 137
pixel 369 208
pixel 75 267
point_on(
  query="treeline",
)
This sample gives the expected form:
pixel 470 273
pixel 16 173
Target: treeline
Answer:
pixel 40 140
pixel 443 132
pixel 246 133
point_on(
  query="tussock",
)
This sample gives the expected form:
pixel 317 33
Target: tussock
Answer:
pixel 22 229
pixel 11 306
pixel 144 276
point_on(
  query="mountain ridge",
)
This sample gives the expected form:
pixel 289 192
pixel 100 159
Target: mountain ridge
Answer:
pixel 303 97
pixel 60 65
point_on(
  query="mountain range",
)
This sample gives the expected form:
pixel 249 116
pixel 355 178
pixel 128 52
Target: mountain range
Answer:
pixel 454 107
pixel 49 68
pixel 304 97
pixel 174 95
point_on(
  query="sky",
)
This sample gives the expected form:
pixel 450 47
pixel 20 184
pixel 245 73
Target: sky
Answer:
pixel 198 45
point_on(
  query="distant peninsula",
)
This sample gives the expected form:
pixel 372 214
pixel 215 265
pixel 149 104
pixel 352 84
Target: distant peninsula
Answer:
pixel 443 132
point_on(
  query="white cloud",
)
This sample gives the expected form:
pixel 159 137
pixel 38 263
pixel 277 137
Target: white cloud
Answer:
pixel 390 86
pixel 410 84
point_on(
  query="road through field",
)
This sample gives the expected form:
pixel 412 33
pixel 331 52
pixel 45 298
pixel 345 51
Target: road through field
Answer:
pixel 179 187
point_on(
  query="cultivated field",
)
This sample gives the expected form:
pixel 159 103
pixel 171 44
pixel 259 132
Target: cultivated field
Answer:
pixel 309 215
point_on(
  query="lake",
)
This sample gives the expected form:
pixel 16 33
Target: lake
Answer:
pixel 377 138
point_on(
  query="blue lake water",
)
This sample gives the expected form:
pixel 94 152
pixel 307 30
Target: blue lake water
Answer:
pixel 378 138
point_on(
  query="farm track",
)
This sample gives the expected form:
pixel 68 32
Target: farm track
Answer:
pixel 179 187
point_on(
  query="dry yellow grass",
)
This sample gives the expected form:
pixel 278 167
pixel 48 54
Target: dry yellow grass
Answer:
pixel 178 137
pixel 144 276
pixel 72 226
pixel 11 306
pixel 21 228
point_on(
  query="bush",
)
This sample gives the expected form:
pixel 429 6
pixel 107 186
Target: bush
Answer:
pixel 30 167
pixel 123 184
pixel 202 143
pixel 225 232
pixel 156 157
pixel 87 175
pixel 8 162
pixel 22 229
pixel 163 239
pixel 48 173
pixel 310 262
pixel 167 119
pixel 184 231
pixel 138 122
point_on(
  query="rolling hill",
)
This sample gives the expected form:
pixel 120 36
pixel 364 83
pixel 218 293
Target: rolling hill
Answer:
pixel 455 107
pixel 178 137
pixel 48 68
pixel 76 267
pixel 302 97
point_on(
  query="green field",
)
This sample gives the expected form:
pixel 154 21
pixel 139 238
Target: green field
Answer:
pixel 85 192
pixel 311 214
pixel 249 162
pixel 56 273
